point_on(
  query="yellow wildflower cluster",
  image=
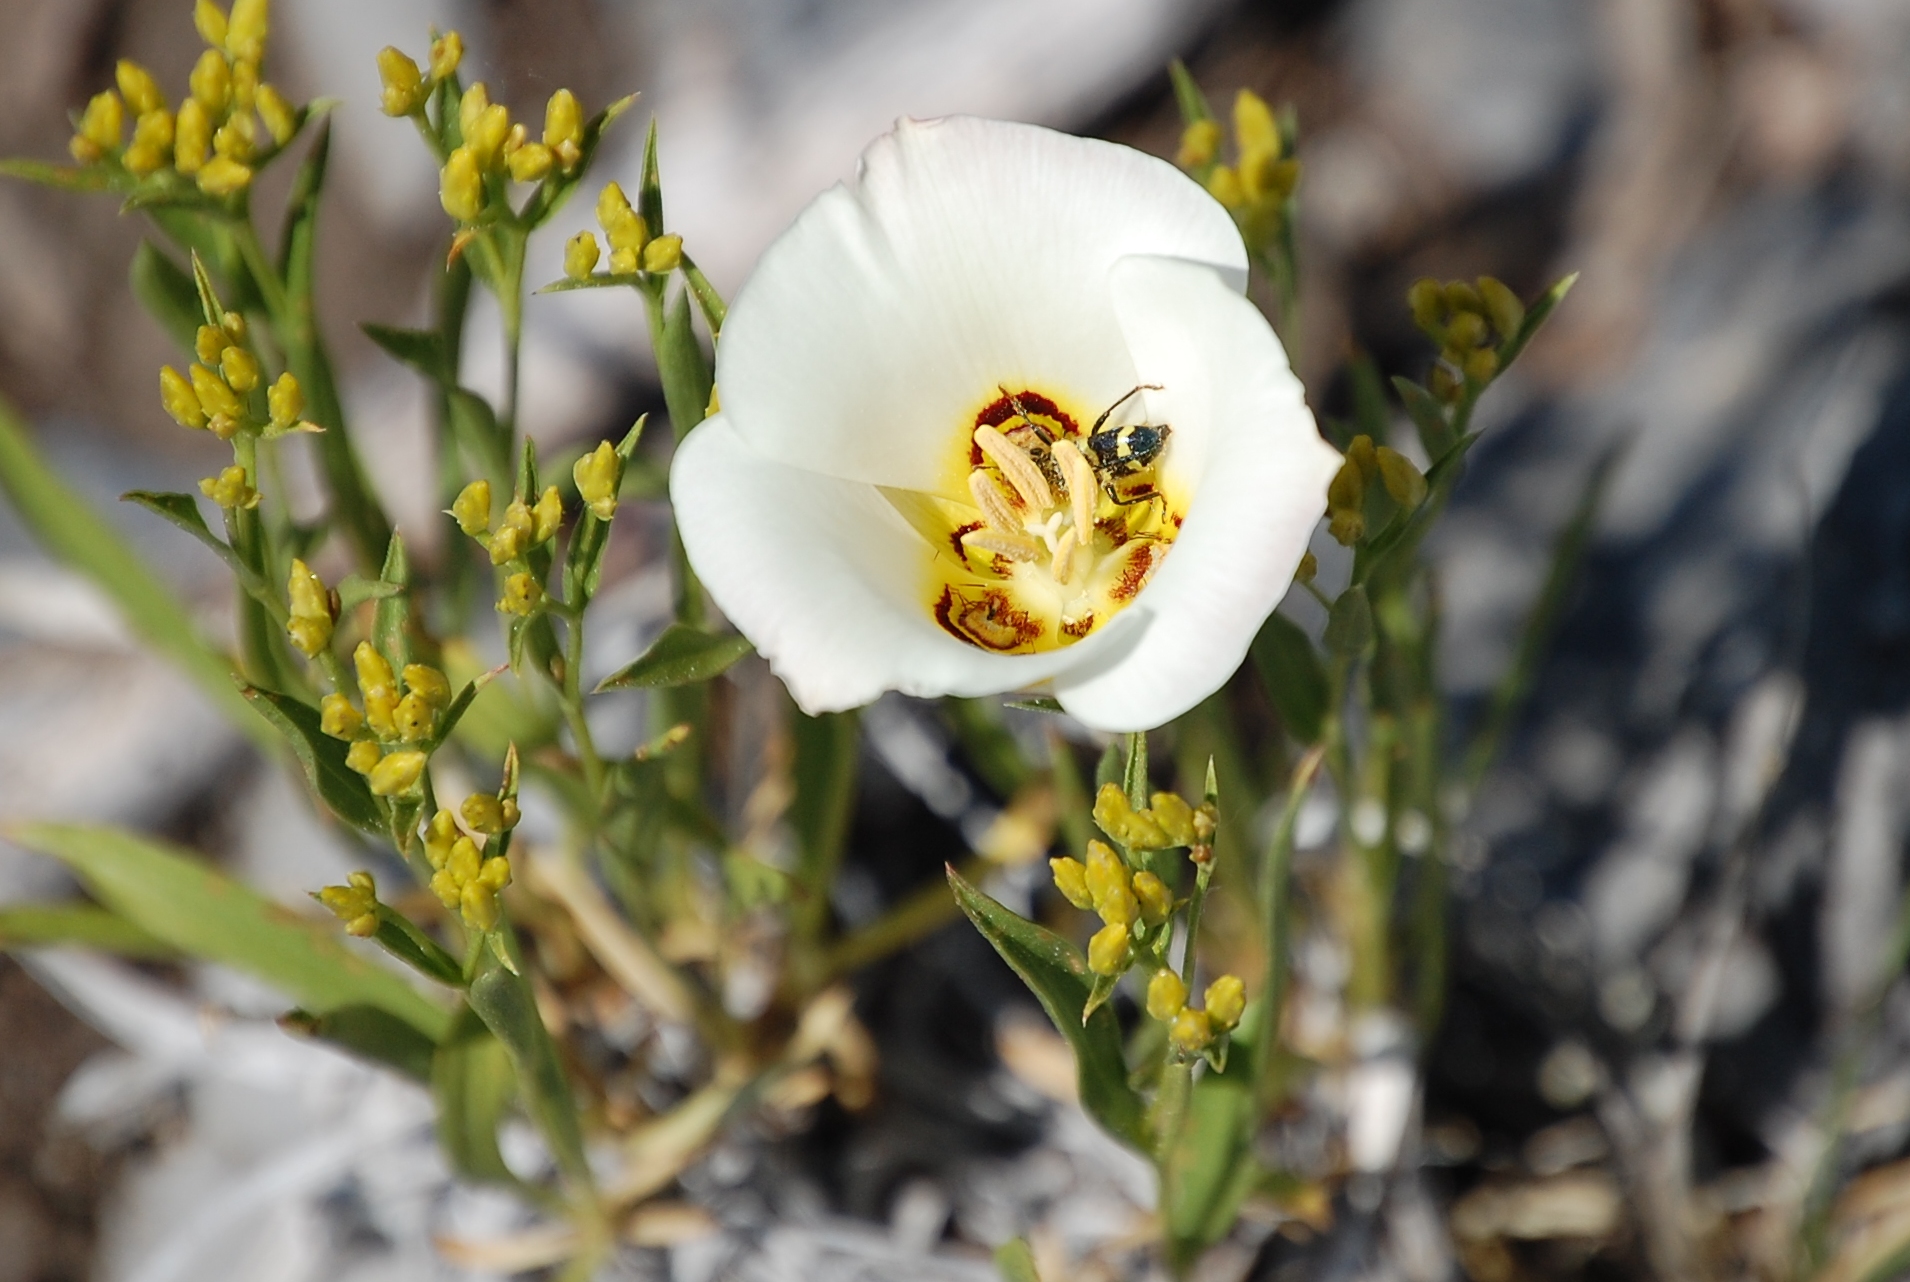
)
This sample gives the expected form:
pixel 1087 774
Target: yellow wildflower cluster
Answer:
pixel 462 877
pixel 1256 187
pixel 1192 1030
pixel 1461 318
pixel 314 611
pixel 213 139
pixel 1167 823
pixel 230 489
pixel 1104 885
pixel 1346 493
pixel 523 527
pixel 406 88
pixel 394 720
pixel 217 391
pixel 632 247
pixel 355 904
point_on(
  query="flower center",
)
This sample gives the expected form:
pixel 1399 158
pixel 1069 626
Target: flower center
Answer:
pixel 1059 529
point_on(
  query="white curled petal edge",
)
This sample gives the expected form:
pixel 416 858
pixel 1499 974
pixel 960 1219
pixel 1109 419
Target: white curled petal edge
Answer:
pixel 1258 469
pixel 828 582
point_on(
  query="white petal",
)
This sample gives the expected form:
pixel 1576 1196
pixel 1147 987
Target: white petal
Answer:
pixel 1246 445
pixel 829 581
pixel 969 253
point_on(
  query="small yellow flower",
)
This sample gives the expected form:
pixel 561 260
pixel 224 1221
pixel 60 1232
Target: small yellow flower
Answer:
pixel 484 137
pixel 355 903
pixel 428 684
pixel 1155 899
pixel 229 490
pixel 1105 872
pixel 1175 817
pixel 240 368
pixel 311 622
pixel 1071 879
pixel 472 508
pixel 1166 996
pixel 211 82
pixel 1402 480
pixel 487 814
pixel 439 837
pixel 223 176
pixel 461 186
pixel 191 137
pixel 447 51
pixel 364 756
pixel 1199 144
pixel 1108 950
pixel 245 86
pixel 1224 186
pixel 547 516
pixel 530 162
pixel 522 595
pixel 1192 1030
pixel 623 226
pixel 247 28
pixel 396 773
pixel 599 474
pixel 564 129
pixel 470 883
pixel 624 262
pixel 580 255
pixel 338 718
pixel 663 254
pixel 151 148
pixel 176 394
pixel 402 83
pixel 374 673
pixel 214 396
pixel 138 88
pixel 280 116
pixel 415 718
pixel 1119 820
pixel 210 19
pixel 1226 1002
pixel 286 401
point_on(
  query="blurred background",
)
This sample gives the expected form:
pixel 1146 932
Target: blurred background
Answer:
pixel 1640 957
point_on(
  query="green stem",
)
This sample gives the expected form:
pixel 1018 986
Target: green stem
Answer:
pixel 1170 1104
pixel 573 701
pixel 1274 872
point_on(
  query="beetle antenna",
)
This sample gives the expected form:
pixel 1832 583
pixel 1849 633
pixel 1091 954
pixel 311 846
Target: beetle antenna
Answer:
pixel 1125 398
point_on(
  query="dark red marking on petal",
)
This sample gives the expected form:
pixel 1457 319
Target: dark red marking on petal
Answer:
pixel 1002 408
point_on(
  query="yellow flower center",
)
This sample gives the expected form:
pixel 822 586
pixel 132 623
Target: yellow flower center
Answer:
pixel 1055 527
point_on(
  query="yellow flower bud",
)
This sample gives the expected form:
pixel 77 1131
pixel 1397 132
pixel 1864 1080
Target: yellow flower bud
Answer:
pixel 474 103
pixel 211 82
pixel 396 773
pixel 580 255
pixel 522 595
pixel 1119 820
pixel 1108 950
pixel 337 717
pixel 1118 907
pixel 402 83
pixel 138 88
pixel 229 490
pixel 286 401
pixel 1155 899
pixel 191 137
pixel 1166 996
pixel 247 29
pixel 1427 299
pixel 1401 479
pixel 364 756
pixel 1347 525
pixel 663 254
pixel 208 343
pixel 1175 817
pixel 1199 144
pixel 563 121
pixel 611 205
pixel 355 903
pixel 280 116
pixel 478 900
pixel 374 673
pixel 1254 126
pixel 507 544
pixel 428 684
pixel 1467 331
pixel 447 51
pixel 472 508
pixel 1105 872
pixel 152 142
pixel 483 813
pixel 515 529
pixel 415 718
pixel 381 711
pixel 1071 879
pixel 309 636
pixel 210 19
pixel 461 186
pixel 235 138
pixel 547 516
pixel 240 368
pixel 1226 1002
pixel 598 475
pixel 309 598
pixel 530 162
pixel 176 394
pixel 1308 571
pixel 1224 186
pixel 222 176
pixel 214 396
pixel 102 123
pixel 484 137
pixel 1482 365
pixel 625 262
pixel 1191 1031
pixel 439 836
pixel 1461 297
pixel 245 85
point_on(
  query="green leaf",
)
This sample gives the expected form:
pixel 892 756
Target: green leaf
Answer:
pixel 1369 398
pixel 323 759
pixel 1293 675
pixel 650 184
pixel 501 996
pixel 1349 625
pixel 68 528
pixel 394 607
pixel 1535 318
pixel 1187 95
pixel 472 1080
pixel 421 349
pixel 683 655
pixel 205 914
pixel 827 748
pixel 1015 1261
pixel 1275 869
pixel 462 704
pixel 475 427
pixel 355 589
pixel 81 926
pixel 1035 703
pixel 63 177
pixel 684 369
pixel 182 511
pixel 708 301
pixel 165 290
pixel 1057 974
pixel 1428 415
pixel 370 1033
pixel 398 936
pixel 1209 1165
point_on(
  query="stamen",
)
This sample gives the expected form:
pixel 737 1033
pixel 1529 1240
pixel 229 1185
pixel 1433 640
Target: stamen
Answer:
pixel 1016 547
pixel 1081 485
pixel 995 506
pixel 1063 565
pixel 1016 466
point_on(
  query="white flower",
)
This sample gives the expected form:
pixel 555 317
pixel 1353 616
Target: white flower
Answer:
pixel 900 493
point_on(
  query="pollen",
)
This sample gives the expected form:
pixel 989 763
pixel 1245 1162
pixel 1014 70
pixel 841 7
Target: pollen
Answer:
pixel 1066 527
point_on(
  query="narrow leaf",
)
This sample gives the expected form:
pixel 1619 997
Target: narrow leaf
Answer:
pixel 683 655
pixel 684 369
pixel 501 996
pixel 64 177
pixel 708 301
pixel 827 748
pixel 1035 703
pixel 394 607
pixel 1427 414
pixel 421 349
pixel 203 913
pixel 322 758
pixel 1349 625
pixel 1058 975
pixel 1187 95
pixel 650 184
pixel 1293 675
pixel 166 292
pixel 354 590
pixel 80 926
pixel 1535 318
pixel 370 1033
pixel 1015 1261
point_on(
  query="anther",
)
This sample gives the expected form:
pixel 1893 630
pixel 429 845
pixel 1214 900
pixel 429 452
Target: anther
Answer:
pixel 1063 566
pixel 1016 466
pixel 1016 547
pixel 995 506
pixel 1080 478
